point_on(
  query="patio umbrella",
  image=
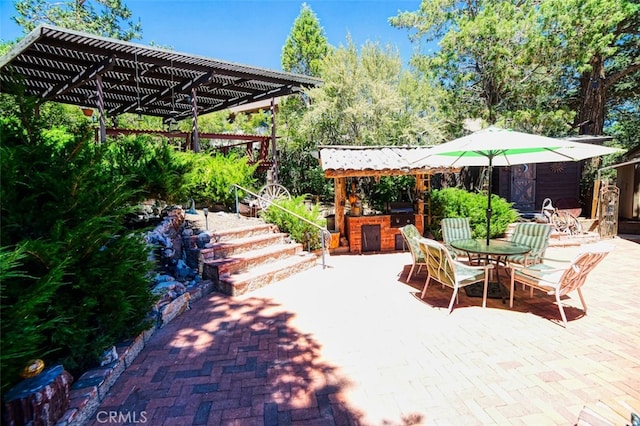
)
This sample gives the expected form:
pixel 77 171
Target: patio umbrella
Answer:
pixel 495 146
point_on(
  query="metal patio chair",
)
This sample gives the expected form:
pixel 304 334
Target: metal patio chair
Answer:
pixel 456 228
pixel 559 278
pixel 533 235
pixel 411 235
pixel 451 273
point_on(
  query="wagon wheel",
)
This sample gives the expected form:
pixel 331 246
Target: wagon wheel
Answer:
pixel 270 193
pixel 560 223
pixel 566 223
pixel 575 227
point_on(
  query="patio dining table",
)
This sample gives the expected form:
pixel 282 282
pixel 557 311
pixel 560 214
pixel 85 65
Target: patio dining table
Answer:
pixel 497 251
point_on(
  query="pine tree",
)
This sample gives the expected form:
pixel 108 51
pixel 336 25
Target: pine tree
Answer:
pixel 306 45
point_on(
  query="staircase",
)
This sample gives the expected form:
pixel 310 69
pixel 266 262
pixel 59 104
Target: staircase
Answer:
pixel 240 260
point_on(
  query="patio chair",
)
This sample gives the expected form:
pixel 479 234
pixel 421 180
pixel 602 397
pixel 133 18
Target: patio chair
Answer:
pixel 411 235
pixel 456 228
pixel 451 273
pixel 560 277
pixel 534 236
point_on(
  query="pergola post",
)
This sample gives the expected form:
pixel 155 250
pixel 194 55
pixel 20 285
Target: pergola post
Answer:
pixel 194 130
pixel 273 140
pixel 103 122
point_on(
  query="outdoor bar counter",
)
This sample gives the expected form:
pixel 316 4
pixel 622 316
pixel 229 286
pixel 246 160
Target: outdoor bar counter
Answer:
pixel 380 232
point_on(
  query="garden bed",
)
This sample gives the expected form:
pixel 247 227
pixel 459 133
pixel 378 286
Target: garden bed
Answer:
pixel 176 285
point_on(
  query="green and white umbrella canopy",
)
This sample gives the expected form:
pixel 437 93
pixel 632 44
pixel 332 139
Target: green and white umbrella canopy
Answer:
pixel 495 146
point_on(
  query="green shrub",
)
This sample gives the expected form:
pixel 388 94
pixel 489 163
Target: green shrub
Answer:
pixel 74 280
pixel 454 202
pixel 25 300
pixel 301 173
pixel 298 230
pixel 209 178
pixel 153 168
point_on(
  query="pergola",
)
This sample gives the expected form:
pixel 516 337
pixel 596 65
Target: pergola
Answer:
pixel 117 77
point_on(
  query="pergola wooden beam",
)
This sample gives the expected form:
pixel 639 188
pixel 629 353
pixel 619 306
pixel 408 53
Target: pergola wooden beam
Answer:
pixel 79 79
pixel 61 65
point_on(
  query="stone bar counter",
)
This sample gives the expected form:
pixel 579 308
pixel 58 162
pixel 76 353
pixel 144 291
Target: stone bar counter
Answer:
pixel 380 232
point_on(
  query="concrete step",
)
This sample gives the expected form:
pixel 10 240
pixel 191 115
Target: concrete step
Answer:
pixel 224 249
pixel 234 233
pixel 265 274
pixel 248 259
pixel 628 226
pixel 244 232
pixel 239 260
pixel 557 239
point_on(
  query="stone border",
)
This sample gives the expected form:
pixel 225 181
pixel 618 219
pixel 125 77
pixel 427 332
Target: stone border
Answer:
pixel 93 386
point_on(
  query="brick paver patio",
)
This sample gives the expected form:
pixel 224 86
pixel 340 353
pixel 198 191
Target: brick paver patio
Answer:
pixel 354 344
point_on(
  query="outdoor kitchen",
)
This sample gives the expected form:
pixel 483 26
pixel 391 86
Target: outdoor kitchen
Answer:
pixel 358 229
pixel 381 232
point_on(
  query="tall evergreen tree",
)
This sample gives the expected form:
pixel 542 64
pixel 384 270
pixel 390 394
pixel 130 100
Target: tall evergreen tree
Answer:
pixel 302 53
pixel 547 65
pixel 598 42
pixel 306 45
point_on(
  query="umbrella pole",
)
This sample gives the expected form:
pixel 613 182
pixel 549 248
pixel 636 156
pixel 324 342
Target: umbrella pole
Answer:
pixel 489 200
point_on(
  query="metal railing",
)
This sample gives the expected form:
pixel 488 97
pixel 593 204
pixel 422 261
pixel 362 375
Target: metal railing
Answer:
pixel 323 231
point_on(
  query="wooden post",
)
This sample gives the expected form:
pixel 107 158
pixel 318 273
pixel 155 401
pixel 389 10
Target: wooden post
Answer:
pixel 195 141
pixel 249 147
pixel 420 193
pixel 273 140
pixel 596 196
pixel 340 190
pixel 102 117
pixel 428 189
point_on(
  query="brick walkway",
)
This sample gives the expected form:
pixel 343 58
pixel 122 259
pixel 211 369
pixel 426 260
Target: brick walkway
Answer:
pixel 354 345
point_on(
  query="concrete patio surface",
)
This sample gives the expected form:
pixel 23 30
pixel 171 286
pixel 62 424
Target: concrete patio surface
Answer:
pixel 353 344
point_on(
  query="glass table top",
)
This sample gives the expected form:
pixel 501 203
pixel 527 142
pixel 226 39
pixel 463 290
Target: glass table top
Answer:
pixel 495 247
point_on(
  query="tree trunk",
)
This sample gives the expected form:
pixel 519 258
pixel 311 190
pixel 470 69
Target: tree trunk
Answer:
pixel 593 92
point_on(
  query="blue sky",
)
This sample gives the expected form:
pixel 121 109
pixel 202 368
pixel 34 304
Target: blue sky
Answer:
pixel 252 32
